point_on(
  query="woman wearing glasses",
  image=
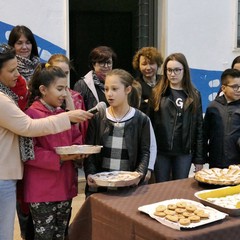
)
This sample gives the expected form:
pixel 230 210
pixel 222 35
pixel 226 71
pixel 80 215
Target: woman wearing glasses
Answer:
pixel 176 114
pixel 91 86
pixel 222 123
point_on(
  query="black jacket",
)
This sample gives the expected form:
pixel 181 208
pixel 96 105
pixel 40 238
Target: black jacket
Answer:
pixel 164 123
pixel 222 133
pixel 137 137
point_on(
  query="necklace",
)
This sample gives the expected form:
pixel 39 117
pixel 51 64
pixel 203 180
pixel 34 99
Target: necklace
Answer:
pixel 118 120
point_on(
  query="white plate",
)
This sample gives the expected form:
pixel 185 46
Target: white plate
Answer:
pixel 116 178
pixel 214 215
pixel 78 149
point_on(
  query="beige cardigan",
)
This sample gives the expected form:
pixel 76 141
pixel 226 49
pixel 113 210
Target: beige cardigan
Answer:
pixel 14 122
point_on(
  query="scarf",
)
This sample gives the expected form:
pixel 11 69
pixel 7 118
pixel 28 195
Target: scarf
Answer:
pixel 27 66
pixel 25 143
pixel 97 82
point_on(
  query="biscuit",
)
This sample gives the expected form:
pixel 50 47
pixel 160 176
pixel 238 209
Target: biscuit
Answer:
pixel 160 214
pixel 169 212
pixel 190 208
pixel 172 218
pixel 180 210
pixel 194 218
pixel 160 208
pixel 181 204
pixel 171 206
pixel 184 221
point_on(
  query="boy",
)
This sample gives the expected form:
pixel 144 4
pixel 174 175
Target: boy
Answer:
pixel 222 123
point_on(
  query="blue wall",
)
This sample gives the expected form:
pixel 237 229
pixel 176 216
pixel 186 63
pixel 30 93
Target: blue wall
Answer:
pixel 208 83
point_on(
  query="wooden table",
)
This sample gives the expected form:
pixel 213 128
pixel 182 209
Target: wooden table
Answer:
pixel 115 216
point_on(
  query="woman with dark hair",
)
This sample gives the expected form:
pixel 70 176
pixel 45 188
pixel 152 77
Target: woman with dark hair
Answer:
pixel 176 114
pixel 15 148
pixel 22 39
pixel 236 63
pixel 91 86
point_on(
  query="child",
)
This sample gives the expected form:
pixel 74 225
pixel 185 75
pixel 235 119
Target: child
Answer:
pixel 123 131
pixel 63 62
pixel 176 115
pixel 222 123
pixel 50 181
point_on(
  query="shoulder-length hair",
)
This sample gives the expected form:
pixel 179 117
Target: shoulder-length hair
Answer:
pixel 16 33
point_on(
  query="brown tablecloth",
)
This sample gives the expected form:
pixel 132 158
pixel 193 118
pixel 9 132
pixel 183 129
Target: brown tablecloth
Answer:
pixel 115 216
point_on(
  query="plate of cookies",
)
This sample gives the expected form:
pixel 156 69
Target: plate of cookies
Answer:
pixel 182 213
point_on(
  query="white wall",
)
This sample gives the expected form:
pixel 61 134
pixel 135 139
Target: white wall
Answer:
pixel 204 30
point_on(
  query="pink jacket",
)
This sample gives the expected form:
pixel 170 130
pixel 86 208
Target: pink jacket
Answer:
pixel 45 180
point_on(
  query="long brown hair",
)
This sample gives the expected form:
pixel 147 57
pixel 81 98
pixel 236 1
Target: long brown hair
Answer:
pixel 160 89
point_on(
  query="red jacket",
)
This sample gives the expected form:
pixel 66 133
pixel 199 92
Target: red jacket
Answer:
pixel 21 91
pixel 45 180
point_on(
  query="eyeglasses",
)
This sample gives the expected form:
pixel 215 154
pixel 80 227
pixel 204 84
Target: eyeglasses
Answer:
pixel 104 64
pixel 234 87
pixel 176 71
pixel 4 48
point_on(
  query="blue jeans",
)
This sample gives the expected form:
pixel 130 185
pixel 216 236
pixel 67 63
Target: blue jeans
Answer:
pixel 7 208
pixel 172 167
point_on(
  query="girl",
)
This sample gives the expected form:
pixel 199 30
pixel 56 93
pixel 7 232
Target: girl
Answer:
pixel 123 131
pixel 176 114
pixel 63 62
pixel 50 181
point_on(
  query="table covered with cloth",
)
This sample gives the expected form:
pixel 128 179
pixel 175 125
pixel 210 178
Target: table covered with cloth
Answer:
pixel 114 215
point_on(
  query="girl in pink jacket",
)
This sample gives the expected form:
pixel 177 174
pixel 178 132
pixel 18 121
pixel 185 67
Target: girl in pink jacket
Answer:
pixel 50 180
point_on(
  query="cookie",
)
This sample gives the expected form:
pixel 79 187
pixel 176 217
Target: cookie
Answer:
pixel 171 206
pixel 172 218
pixel 184 221
pixel 169 212
pixel 180 210
pixel 190 208
pixel 187 214
pixel 194 218
pixel 203 215
pixel 160 214
pixel 181 204
pixel 161 208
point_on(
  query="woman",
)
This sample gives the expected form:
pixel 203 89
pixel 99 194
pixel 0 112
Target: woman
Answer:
pixel 123 131
pixel 14 123
pixel 22 39
pixel 147 62
pixel 176 115
pixel 91 86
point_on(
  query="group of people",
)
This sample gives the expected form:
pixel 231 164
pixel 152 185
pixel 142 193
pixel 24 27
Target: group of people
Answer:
pixel 153 123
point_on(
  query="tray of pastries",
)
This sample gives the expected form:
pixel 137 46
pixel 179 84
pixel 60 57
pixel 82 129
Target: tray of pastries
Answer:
pixel 219 176
pixel 225 199
pixel 116 178
pixel 78 149
pixel 182 213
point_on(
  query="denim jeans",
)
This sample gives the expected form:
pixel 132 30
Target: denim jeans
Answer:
pixel 169 167
pixel 7 208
